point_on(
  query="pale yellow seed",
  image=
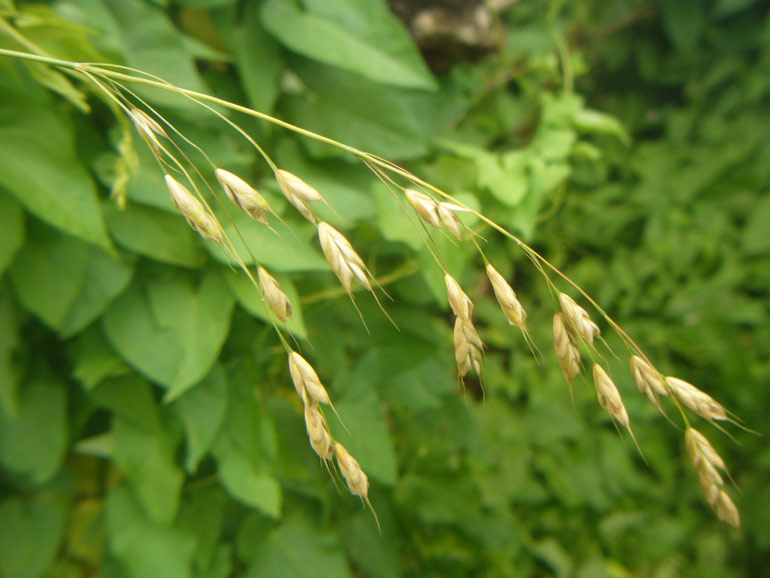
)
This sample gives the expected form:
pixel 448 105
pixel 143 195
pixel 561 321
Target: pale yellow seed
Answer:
pixel 193 211
pixel 276 299
pixel 425 207
pixel 244 195
pixel 148 128
pixel 298 193
pixel 306 381
pixel 609 396
pixel 506 298
pixel 578 319
pixel 450 220
pixel 318 433
pixel 698 401
pixel 357 481
pixel 566 350
pixel 726 510
pixel 460 303
pixel 468 347
pixel 647 379
pixel 342 258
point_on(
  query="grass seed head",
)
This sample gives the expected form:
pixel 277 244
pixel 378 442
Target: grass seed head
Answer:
pixel 448 216
pixel 425 207
pixel 275 298
pixel 578 319
pixel 244 195
pixel 306 381
pixel 609 396
pixel 148 128
pixel 692 397
pixel 193 210
pixel 468 347
pixel 317 432
pixel 707 463
pixel 566 349
pixel 647 379
pixel 460 303
pixel 506 297
pixel 342 258
pixel 726 510
pixel 357 481
pixel 298 193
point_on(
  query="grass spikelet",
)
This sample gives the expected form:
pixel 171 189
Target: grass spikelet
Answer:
pixel 468 347
pixel 446 213
pixel 276 299
pixel 707 463
pixel 566 350
pixel 425 207
pixel 342 258
pixel 308 384
pixel 647 379
pixel 578 319
pixel 298 193
pixel 692 397
pixel 318 432
pixel 358 482
pixel 460 303
pixel 244 196
pixel 148 128
pixel 194 212
pixel 610 400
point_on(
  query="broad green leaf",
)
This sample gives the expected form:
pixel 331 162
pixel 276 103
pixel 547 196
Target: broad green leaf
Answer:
pixel 9 342
pixel 362 37
pixel 756 237
pixel 259 60
pixel 156 234
pixel 153 45
pixel 202 411
pixel 93 358
pixel 146 548
pixel 683 22
pixel 202 515
pixel 248 297
pixel 368 439
pixel 130 397
pixel 297 548
pixel 247 481
pixel 147 456
pixel 376 552
pixel 57 82
pixel 66 282
pixel 45 28
pixel 29 536
pixel 63 194
pixel 392 122
pixel 170 329
pixel 11 230
pixel 287 250
pixel 594 121
pixel 33 442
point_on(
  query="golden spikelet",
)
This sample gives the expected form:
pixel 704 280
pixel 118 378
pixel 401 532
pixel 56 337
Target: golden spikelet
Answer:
pixel 647 379
pixel 566 349
pixel 468 347
pixel 276 299
pixel 356 478
pixel 318 432
pixel 298 193
pixel 460 303
pixel 194 212
pixel 707 463
pixel 342 258
pixel 693 398
pixel 244 195
pixel 578 319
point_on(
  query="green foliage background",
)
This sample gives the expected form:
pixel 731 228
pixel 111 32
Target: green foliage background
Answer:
pixel 148 427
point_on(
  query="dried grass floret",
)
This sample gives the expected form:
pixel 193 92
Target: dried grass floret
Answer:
pixel 460 303
pixel 244 195
pixel 647 379
pixel 298 193
pixel 194 211
pixel 148 128
pixel 342 258
pixel 506 297
pixel 425 207
pixel 318 432
pixel 707 463
pixel 692 397
pixel 357 480
pixel 276 299
pixel 468 347
pixel 566 349
pixel 306 381
pixel 578 319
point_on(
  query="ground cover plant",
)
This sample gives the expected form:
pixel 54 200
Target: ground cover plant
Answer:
pixel 259 261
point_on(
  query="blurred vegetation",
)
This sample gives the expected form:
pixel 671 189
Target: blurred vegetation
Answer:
pixel 148 426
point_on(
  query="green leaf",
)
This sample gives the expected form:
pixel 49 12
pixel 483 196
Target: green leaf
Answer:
pixel 60 84
pixel 9 342
pixel 298 549
pixel 202 411
pixel 66 282
pixel 594 121
pixel 93 359
pixel 146 549
pixel 683 22
pixel 34 441
pixel 11 230
pixel 153 45
pixel 202 515
pixel 756 237
pixel 259 60
pixel 130 397
pixel 147 455
pixel 157 234
pixel 63 194
pixel 29 536
pixel 359 36
pixel 245 480
pixel 170 329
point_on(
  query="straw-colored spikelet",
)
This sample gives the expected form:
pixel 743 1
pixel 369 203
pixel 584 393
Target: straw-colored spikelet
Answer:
pixel 647 379
pixel 342 258
pixel 358 482
pixel 506 297
pixel 298 193
pixel 468 347
pixel 275 298
pixel 244 195
pixel 318 433
pixel 460 303
pixel 306 381
pixel 193 210
pixel 609 397
pixel 566 349
pixel 425 207
pixel 148 128
pixel 448 216
pixel 578 319
pixel 707 463
pixel 692 397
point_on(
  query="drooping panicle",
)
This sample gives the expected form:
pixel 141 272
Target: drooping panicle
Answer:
pixel 276 299
pixel 244 195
